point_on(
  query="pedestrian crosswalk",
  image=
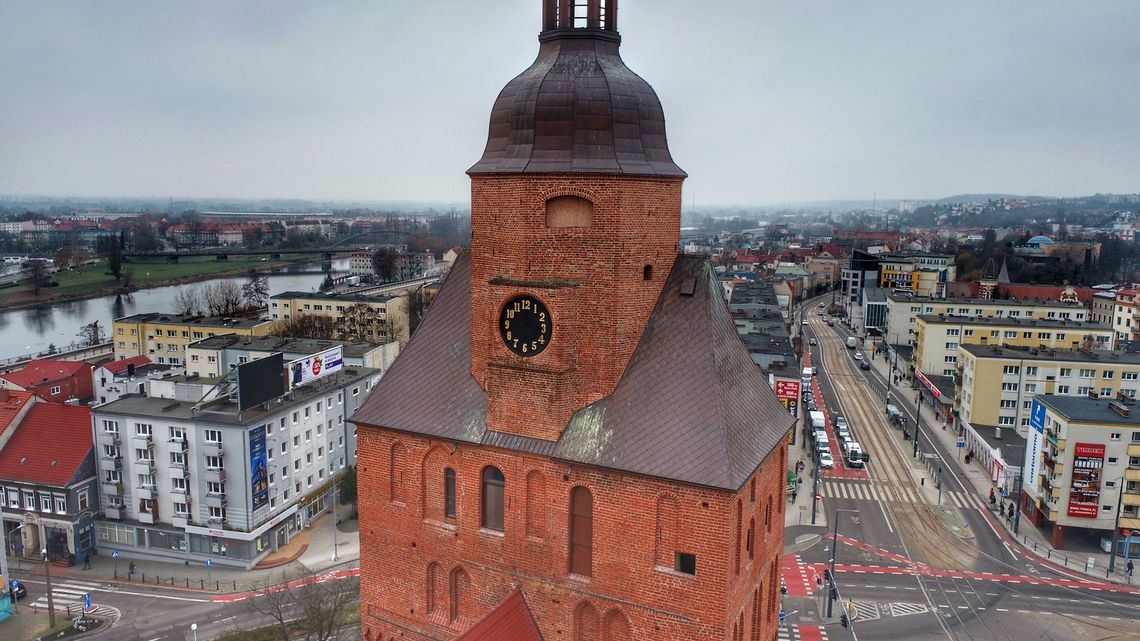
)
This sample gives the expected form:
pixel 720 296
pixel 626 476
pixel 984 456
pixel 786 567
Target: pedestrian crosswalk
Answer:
pixel 69 595
pixel 793 632
pixel 887 492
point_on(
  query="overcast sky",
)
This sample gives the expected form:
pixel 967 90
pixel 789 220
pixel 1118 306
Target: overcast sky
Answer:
pixel 384 100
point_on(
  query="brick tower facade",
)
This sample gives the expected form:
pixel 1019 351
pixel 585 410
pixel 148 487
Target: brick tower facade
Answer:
pixel 575 444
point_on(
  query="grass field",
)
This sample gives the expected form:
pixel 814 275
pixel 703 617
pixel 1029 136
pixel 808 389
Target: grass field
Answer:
pixel 94 277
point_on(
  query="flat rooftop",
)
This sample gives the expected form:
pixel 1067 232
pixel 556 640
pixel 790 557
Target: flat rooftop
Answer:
pixel 1061 355
pixel 226 412
pixel 1082 409
pixel 279 344
pixel 333 297
pixel 902 297
pixel 1028 323
pixel 753 294
pixel 203 321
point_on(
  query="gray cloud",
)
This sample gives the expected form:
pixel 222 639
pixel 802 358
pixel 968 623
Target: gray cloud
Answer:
pixel 766 101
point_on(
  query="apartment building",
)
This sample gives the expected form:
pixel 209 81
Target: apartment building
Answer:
pixel 163 337
pixel 903 310
pixel 921 273
pixel 195 480
pixel 938 337
pixel 997 384
pixel 213 357
pixel 374 318
pixel 1082 454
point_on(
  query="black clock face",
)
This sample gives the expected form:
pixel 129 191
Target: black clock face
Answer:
pixel 525 325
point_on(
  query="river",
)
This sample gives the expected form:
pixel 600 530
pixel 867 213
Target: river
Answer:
pixel 31 331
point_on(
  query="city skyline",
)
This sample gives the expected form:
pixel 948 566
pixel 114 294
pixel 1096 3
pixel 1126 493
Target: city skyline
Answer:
pixel 766 104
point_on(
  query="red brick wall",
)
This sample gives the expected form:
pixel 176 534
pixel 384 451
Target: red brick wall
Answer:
pixel 590 278
pixel 79 386
pixel 638 524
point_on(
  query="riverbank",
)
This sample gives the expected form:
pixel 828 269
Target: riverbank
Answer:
pixel 93 281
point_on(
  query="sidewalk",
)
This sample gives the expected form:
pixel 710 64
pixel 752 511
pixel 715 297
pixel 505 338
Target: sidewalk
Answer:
pixel 310 550
pixel 1033 542
pixel 798 512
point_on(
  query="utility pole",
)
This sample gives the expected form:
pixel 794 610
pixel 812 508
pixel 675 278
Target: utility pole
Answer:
pixel 51 603
pixel 814 492
pixel 335 518
pixel 917 420
pixel 1116 529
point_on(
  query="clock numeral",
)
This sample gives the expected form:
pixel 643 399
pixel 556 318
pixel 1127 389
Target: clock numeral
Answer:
pixel 526 304
pixel 542 317
pixel 510 313
pixel 542 339
pixel 543 326
pixel 506 324
pixel 508 336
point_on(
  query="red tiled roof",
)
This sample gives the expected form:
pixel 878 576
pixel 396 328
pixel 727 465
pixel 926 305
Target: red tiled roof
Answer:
pixel 67 427
pixel 1042 292
pixel 118 366
pixel 11 403
pixel 511 620
pixel 40 371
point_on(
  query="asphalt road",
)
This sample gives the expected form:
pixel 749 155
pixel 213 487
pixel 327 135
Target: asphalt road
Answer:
pixel 901 562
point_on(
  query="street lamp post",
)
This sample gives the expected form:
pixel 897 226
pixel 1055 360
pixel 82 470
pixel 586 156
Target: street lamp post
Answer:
pixel 1115 529
pixel 831 588
pixel 336 491
pixel 814 491
pixel 47 576
pixel 917 421
pixel 194 629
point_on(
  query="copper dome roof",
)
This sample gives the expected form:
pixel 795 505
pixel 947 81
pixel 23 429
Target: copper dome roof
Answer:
pixel 577 109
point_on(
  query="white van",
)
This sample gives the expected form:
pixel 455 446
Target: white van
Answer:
pixel 818 420
pixel 851 342
pixel 854 455
pixel 807 374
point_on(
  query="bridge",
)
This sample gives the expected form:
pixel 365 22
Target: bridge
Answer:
pixel 222 254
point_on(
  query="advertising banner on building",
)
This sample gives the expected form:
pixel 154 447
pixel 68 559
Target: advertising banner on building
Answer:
pixel 1084 493
pixel 258 468
pixel 308 369
pixel 930 386
pixel 1033 451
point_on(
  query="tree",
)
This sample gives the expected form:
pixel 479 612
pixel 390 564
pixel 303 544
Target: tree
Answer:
pixel 384 263
pixel 37 275
pixel 187 302
pixel 256 291
pixel 66 257
pixel 327 283
pixel 348 487
pixel 112 250
pixel 361 322
pixel 223 298
pixel 306 326
pixel 90 334
pixel 305 605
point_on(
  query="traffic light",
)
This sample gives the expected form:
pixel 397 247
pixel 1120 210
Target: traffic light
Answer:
pixel 866 457
pixel 843 619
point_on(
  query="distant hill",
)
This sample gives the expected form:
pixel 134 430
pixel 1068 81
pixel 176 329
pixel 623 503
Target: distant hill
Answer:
pixel 981 198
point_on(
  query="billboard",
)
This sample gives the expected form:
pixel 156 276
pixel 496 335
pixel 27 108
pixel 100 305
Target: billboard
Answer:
pixel 258 468
pixel 310 368
pixel 260 381
pixel 789 394
pixel 1036 438
pixel 1084 493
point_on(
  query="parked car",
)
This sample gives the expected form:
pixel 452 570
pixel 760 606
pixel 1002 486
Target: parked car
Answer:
pixel 812 407
pixel 819 435
pixel 864 365
pixel 825 460
pixel 17 590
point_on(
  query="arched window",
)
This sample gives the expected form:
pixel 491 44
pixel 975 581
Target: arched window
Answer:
pixel 569 211
pixel 433 580
pixel 647 272
pixel 749 542
pixel 585 622
pixel 457 590
pixel 736 538
pixel 615 627
pixel 492 517
pixel 581 531
pixel 449 494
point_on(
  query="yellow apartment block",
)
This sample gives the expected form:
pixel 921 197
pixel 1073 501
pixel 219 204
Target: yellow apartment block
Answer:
pixel 938 337
pixel 996 385
pixel 374 319
pixel 163 337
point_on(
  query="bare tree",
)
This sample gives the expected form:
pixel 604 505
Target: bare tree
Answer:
pixel 111 248
pixel 37 275
pixel 384 263
pixel 223 298
pixel 307 326
pixel 305 605
pixel 187 301
pixel 256 291
pixel 90 334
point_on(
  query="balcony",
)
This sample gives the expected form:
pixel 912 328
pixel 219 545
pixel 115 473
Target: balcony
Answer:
pixel 216 474
pixel 146 517
pixel 1130 498
pixel 1132 474
pixel 180 520
pixel 145 492
pixel 211 448
pixel 179 472
pixel 111 463
pixel 216 500
pixel 216 520
pixel 139 439
pixel 113 511
pixel 144 466
pixel 112 489
pixel 108 438
pixel 1134 449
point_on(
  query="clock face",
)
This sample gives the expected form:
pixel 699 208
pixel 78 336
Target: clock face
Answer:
pixel 525 325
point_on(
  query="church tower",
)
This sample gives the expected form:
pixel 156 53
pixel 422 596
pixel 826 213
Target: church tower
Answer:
pixel 575 444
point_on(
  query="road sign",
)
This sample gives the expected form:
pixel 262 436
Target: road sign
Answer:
pixel 961 441
pixel 209 562
pixel 86 601
pixel 114 553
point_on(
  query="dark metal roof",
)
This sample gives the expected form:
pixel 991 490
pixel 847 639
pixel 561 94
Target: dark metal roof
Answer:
pixel 691 406
pixel 577 109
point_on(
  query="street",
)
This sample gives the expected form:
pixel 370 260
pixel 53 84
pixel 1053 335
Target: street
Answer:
pixel 920 553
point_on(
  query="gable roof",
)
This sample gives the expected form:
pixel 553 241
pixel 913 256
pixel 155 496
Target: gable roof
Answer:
pixel 66 427
pixel 12 402
pixel 691 405
pixel 510 620
pixel 121 365
pixel 42 371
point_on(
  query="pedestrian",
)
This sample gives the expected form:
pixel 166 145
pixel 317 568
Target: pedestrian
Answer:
pixel 87 562
pixel 130 570
pixel 1128 570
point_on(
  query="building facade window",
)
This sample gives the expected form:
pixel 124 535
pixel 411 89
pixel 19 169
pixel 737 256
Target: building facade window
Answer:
pixel 493 485
pixel 449 494
pixel 581 531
